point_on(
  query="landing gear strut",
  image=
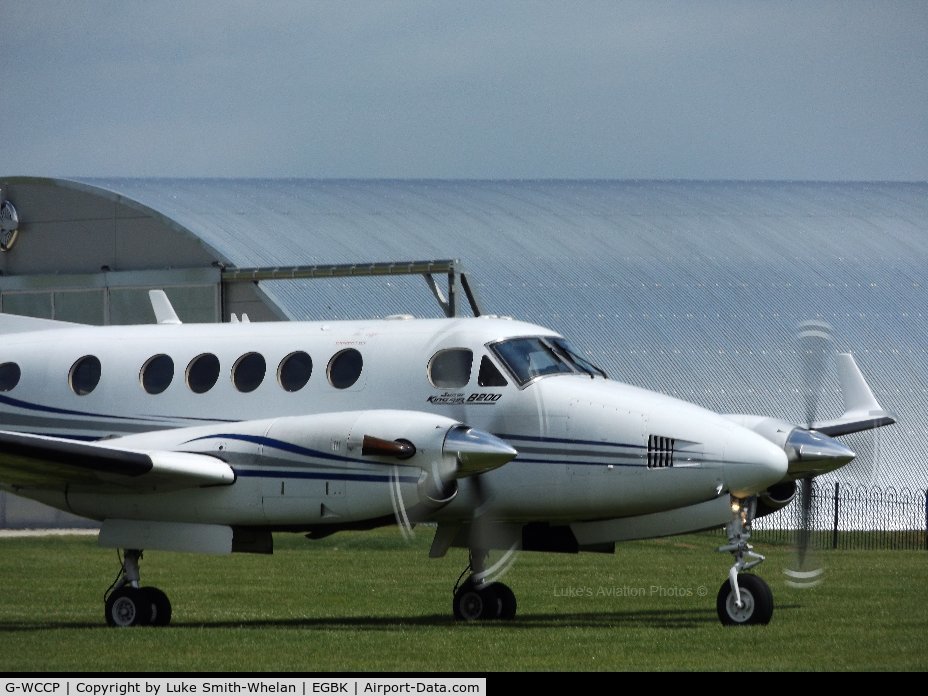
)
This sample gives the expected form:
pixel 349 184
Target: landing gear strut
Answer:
pixel 129 604
pixel 476 598
pixel 743 598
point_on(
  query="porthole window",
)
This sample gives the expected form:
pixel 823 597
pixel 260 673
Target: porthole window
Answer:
pixel 450 369
pixel 9 376
pixel 294 371
pixel 84 375
pixel 202 373
pixel 157 374
pixel 248 372
pixel 345 368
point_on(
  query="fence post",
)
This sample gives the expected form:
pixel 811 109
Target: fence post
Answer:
pixel 834 534
pixel 926 519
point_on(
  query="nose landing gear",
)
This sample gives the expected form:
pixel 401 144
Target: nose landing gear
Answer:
pixel 744 598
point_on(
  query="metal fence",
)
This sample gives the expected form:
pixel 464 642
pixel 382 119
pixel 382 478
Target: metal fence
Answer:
pixel 847 516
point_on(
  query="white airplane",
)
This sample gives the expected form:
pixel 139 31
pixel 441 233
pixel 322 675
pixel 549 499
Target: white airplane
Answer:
pixel 209 437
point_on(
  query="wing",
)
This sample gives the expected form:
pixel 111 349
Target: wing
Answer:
pixel 36 461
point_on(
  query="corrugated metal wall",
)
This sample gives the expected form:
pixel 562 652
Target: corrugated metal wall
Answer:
pixel 691 288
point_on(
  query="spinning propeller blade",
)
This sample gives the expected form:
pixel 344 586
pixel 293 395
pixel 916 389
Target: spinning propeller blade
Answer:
pixel 815 344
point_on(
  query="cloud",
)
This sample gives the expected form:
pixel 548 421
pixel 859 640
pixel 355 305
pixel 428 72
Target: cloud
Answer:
pixel 818 90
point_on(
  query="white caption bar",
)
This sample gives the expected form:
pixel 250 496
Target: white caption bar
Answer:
pixel 130 686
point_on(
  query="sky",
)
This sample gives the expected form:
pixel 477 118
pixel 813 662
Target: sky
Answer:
pixel 530 89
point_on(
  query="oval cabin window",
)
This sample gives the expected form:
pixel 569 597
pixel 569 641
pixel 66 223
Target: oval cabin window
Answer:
pixel 345 368
pixel 294 371
pixel 85 375
pixel 9 376
pixel 202 373
pixel 248 372
pixel 157 374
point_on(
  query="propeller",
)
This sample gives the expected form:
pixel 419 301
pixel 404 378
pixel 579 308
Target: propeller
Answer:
pixel 815 339
pixel 481 532
pixel 810 452
pixel 466 453
pixel 482 536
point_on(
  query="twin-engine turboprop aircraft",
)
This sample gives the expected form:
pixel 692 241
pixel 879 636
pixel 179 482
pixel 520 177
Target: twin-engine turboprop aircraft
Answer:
pixel 208 438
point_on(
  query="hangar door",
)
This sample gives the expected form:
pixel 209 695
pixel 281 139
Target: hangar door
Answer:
pixel 113 297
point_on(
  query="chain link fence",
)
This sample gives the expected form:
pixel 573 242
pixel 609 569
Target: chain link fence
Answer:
pixel 847 516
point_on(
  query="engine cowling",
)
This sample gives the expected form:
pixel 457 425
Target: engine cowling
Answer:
pixel 775 498
pixel 464 452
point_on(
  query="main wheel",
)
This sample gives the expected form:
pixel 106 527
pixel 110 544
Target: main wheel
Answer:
pixel 160 606
pixel 472 603
pixel 507 601
pixel 756 602
pixel 128 606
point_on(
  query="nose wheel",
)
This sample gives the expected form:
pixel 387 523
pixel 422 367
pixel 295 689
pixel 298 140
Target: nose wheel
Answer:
pixel 756 605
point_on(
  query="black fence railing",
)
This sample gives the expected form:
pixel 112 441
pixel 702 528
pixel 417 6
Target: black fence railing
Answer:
pixel 845 516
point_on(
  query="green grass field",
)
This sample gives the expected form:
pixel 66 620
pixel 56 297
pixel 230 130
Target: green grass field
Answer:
pixel 369 602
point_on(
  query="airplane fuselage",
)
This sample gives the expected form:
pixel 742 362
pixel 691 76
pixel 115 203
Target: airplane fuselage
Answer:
pixel 258 396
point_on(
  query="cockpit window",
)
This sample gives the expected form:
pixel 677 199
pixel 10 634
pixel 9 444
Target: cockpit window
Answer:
pixel 489 375
pixel 580 362
pixel 537 356
pixel 450 369
pixel 528 358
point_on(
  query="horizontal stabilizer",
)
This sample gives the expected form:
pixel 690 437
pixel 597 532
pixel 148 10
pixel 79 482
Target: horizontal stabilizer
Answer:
pixel 14 323
pixel 861 409
pixel 36 461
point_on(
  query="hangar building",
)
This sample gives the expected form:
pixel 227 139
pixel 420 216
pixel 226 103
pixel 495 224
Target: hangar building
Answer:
pixel 695 289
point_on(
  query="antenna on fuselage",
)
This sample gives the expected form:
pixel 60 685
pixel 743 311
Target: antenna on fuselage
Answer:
pixel 161 305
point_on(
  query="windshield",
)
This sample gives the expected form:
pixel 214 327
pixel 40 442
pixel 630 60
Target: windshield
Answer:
pixel 528 358
pixel 568 351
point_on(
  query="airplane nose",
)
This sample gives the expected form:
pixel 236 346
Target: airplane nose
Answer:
pixel 752 463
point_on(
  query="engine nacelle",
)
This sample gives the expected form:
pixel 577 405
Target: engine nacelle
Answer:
pixel 420 455
pixel 776 498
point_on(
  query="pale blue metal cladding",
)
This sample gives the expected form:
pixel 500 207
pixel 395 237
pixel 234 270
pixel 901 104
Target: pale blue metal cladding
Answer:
pixel 695 289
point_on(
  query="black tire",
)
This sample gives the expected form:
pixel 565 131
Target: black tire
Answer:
pixel 127 606
pixel 473 603
pixel 507 601
pixel 756 598
pixel 160 606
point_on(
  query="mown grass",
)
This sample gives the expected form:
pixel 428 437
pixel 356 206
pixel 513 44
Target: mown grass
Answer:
pixel 368 602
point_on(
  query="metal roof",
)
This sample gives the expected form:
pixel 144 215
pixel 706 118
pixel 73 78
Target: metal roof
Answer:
pixel 695 289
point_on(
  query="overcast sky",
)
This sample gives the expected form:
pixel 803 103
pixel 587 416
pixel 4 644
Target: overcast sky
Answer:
pixel 690 89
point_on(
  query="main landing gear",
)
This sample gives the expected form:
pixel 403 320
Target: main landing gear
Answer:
pixel 128 604
pixel 477 598
pixel 743 598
